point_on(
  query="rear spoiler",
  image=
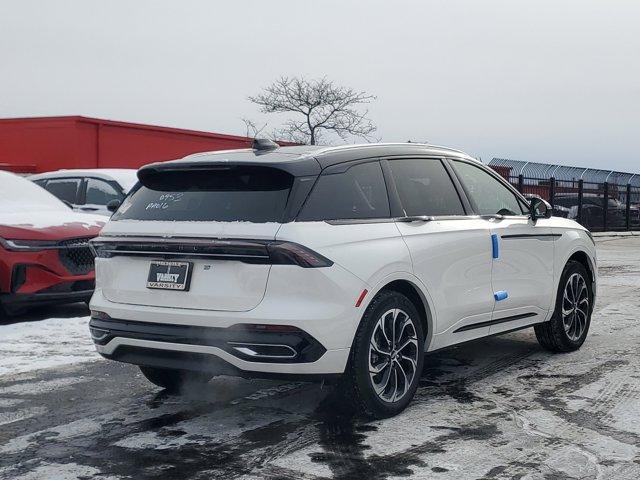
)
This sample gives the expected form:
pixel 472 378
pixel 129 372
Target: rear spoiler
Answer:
pixel 292 164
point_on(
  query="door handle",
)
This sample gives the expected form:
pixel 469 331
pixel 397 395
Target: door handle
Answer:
pixel 495 216
pixel 89 209
pixel 415 218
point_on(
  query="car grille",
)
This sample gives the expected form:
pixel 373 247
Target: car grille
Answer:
pixel 76 256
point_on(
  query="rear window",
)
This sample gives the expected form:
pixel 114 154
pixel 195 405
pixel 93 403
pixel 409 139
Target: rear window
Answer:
pixel 358 193
pixel 229 194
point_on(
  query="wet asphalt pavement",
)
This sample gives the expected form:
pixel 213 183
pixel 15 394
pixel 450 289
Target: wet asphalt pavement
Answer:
pixel 494 409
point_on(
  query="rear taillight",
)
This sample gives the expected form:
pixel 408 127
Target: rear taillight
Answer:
pixel 263 252
pixel 98 315
pixel 287 253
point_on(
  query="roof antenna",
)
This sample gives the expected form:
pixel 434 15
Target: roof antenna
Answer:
pixel 264 144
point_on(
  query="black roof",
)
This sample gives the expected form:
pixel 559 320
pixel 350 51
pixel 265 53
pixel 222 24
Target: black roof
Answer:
pixel 300 160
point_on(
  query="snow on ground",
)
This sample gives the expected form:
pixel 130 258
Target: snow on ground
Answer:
pixel 27 346
pixel 495 409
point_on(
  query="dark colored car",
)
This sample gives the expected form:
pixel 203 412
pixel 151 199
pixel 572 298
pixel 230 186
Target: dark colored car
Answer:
pixel 557 210
pixel 593 211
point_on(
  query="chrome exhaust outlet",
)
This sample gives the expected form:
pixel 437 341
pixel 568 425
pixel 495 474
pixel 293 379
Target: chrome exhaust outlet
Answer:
pixel 97 334
pixel 264 350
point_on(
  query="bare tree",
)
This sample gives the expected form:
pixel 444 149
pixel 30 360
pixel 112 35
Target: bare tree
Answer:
pixel 251 128
pixel 320 106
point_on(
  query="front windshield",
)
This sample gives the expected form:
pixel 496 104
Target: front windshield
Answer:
pixel 17 194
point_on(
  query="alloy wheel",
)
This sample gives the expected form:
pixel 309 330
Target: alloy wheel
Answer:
pixel 393 355
pixel 575 306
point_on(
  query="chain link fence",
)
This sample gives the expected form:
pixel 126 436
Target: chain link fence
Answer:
pixel 588 196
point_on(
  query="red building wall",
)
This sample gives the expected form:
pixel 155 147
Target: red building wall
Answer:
pixel 50 143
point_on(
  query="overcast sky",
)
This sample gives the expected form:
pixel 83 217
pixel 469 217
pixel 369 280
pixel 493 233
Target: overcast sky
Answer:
pixel 555 81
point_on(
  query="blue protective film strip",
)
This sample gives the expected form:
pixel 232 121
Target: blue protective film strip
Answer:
pixel 495 246
pixel 501 295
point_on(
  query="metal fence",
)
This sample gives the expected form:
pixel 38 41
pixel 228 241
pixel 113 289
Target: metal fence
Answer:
pixel 586 196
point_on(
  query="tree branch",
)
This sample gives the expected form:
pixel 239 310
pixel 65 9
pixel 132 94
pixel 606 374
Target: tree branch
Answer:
pixel 323 106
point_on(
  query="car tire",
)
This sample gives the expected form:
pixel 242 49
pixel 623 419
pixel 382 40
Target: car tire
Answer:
pixel 569 325
pixel 375 347
pixel 174 381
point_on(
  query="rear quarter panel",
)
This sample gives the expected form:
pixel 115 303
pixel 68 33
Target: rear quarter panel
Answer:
pixel 374 253
pixel 370 251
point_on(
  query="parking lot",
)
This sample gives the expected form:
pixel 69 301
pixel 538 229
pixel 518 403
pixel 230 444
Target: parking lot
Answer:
pixel 497 408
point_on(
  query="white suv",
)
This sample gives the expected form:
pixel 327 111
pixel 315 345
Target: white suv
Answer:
pixel 344 262
pixel 94 190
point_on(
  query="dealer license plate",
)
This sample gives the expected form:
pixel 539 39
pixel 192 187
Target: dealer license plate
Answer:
pixel 169 275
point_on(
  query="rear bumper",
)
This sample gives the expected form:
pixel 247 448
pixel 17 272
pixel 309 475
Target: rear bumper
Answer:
pixel 319 304
pixel 247 342
pixel 217 361
pixel 206 340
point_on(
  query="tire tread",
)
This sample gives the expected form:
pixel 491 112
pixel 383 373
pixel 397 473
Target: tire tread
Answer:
pixel 350 386
pixel 550 334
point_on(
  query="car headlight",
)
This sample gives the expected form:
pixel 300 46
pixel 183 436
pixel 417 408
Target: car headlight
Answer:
pixel 28 245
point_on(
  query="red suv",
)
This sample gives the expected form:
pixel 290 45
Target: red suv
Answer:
pixel 44 254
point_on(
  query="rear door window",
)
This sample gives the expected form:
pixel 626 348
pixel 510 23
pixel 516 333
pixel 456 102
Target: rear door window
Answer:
pixel 232 194
pixel 425 188
pixel 358 193
pixel 100 192
pixel 64 188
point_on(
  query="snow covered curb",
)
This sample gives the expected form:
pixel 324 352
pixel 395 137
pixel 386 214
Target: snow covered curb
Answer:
pixel 27 346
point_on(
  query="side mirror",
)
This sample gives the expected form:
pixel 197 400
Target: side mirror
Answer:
pixel 113 205
pixel 539 208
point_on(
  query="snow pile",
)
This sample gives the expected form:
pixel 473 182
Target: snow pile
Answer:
pixel 40 218
pixel 47 343
pixel 20 195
